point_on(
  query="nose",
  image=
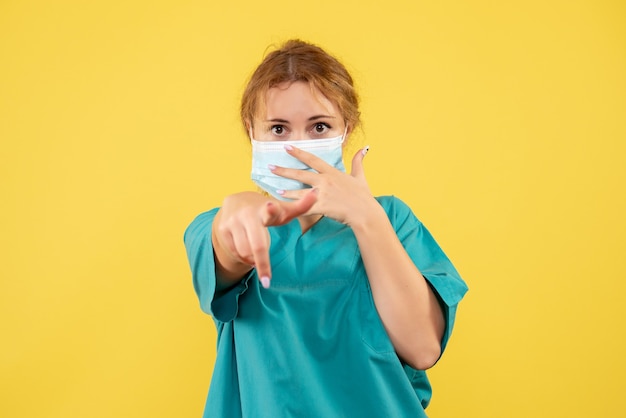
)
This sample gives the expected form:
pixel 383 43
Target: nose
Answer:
pixel 298 135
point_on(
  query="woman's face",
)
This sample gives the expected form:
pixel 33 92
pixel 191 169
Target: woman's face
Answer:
pixel 296 111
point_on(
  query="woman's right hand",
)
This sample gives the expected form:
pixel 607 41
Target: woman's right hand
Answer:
pixel 240 237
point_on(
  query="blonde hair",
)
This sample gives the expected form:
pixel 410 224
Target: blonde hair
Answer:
pixel 295 61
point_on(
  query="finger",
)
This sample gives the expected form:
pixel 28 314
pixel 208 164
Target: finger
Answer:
pixel 307 207
pixel 275 213
pixel 357 163
pixel 239 246
pixel 280 212
pixel 309 159
pixel 294 195
pixel 224 239
pixel 269 214
pixel 301 175
pixel 301 206
pixel 259 242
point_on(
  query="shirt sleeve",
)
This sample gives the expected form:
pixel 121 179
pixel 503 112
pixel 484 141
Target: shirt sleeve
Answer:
pixel 429 259
pixel 199 248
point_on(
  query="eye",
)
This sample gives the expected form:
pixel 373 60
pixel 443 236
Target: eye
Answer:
pixel 321 128
pixel 278 130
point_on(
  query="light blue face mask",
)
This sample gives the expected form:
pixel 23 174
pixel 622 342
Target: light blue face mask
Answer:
pixel 265 153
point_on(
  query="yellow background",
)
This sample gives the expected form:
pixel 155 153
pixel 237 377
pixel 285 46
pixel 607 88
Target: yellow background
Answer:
pixel 502 124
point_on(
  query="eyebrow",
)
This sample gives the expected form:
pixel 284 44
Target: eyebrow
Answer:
pixel 321 117
pixel 312 118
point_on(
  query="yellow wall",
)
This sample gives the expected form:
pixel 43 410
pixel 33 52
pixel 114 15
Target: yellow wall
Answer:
pixel 501 123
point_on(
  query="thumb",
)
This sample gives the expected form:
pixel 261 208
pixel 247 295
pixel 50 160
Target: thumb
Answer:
pixel 357 162
pixel 276 213
pixel 270 213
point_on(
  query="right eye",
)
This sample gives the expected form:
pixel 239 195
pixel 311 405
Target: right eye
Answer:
pixel 278 130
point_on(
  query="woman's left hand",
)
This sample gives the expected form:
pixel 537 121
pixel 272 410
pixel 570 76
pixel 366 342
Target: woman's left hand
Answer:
pixel 408 307
pixel 343 197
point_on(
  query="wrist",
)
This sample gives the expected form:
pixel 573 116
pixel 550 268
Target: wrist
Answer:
pixel 370 215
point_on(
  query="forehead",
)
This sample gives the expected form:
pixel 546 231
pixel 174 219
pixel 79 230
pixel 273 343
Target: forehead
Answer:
pixel 295 99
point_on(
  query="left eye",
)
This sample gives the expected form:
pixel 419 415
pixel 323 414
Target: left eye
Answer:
pixel 320 128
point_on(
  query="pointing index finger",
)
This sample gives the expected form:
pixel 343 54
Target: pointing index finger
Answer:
pixel 274 214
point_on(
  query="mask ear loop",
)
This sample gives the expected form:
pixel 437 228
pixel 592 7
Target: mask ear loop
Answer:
pixel 250 133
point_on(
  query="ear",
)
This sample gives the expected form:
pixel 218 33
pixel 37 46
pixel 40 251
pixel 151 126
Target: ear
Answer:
pixel 249 129
pixel 350 128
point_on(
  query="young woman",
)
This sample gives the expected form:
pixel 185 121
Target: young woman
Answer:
pixel 328 302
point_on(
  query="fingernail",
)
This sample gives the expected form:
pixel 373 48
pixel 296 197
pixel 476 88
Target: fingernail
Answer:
pixel 364 150
pixel 280 192
pixel 288 147
pixel 265 282
pixel 272 167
